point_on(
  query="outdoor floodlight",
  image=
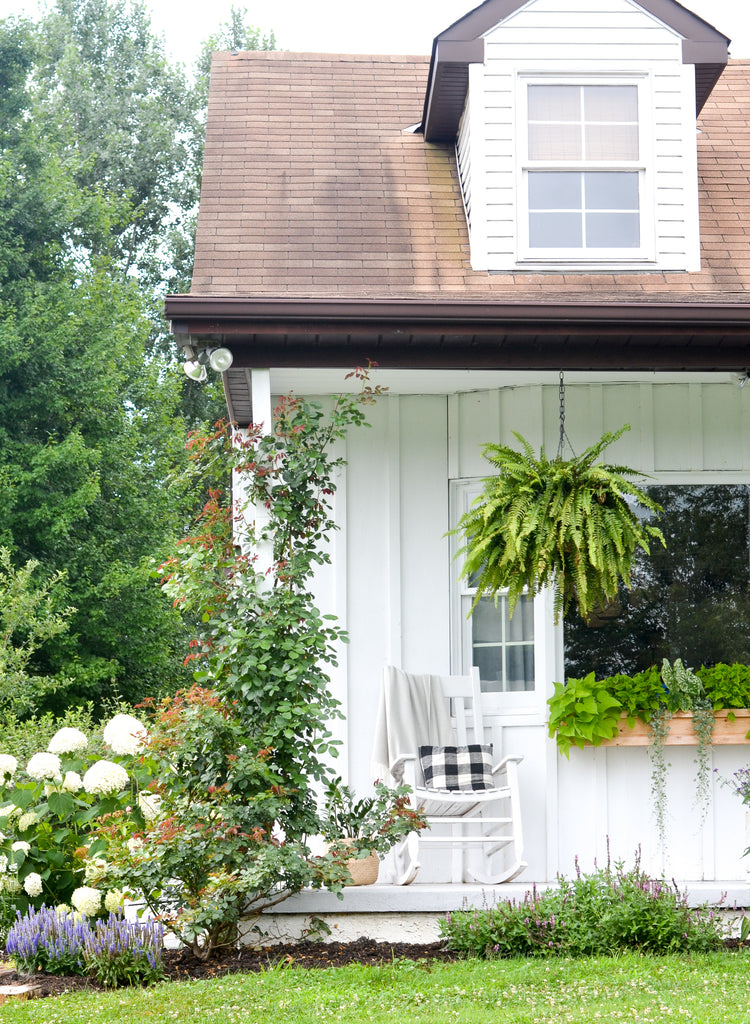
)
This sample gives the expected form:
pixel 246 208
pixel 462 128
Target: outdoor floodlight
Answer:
pixel 194 370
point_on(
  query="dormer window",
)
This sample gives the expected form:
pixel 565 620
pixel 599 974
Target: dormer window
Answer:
pixel 582 175
pixel 574 132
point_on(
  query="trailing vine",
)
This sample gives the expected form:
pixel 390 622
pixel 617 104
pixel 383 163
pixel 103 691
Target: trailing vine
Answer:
pixel 659 725
pixel 570 524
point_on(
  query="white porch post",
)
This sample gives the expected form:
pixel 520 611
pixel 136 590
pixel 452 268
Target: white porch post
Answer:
pixel 256 516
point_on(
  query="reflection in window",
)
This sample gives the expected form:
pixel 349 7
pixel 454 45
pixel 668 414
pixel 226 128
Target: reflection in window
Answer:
pixel 690 600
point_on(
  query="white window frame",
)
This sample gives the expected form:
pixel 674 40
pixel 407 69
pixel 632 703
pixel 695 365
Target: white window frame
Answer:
pixel 547 637
pixel 597 258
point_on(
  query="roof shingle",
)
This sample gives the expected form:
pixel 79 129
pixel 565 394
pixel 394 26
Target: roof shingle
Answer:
pixel 314 188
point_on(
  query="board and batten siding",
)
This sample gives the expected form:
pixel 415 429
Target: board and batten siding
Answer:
pixel 598 37
pixel 391 579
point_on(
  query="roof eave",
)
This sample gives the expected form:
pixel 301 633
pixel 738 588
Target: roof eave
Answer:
pixel 463 43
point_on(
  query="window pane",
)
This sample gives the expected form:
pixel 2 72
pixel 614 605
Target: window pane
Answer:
pixel 554 102
pixel 555 231
pixel 520 668
pixel 611 142
pixel 521 626
pixel 555 142
pixel 690 600
pixel 610 190
pixel 610 102
pixel 552 190
pixel 489 661
pixel 613 231
pixel 487 621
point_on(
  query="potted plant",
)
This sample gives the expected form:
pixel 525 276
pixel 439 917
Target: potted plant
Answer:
pixel 570 524
pixel 358 831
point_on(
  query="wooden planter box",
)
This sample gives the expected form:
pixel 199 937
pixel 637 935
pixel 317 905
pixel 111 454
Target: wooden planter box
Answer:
pixel 681 730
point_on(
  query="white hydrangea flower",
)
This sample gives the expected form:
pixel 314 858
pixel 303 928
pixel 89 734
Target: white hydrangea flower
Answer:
pixel 45 766
pixel 32 883
pixel 27 820
pixel 62 908
pixel 10 884
pixel 7 810
pixel 67 741
pixel 72 782
pixel 21 845
pixel 150 805
pixel 94 869
pixel 125 734
pixel 134 845
pixel 113 900
pixel 104 778
pixel 8 767
pixel 86 900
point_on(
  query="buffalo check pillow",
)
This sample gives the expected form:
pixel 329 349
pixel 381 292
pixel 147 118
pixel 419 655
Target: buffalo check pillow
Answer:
pixel 457 768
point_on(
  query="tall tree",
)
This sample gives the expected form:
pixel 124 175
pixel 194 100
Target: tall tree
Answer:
pixel 130 120
pixel 100 147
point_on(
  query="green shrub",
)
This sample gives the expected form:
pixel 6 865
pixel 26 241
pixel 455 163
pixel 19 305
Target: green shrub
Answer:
pixel 582 711
pixel 640 695
pixel 605 912
pixel 113 951
pixel 727 686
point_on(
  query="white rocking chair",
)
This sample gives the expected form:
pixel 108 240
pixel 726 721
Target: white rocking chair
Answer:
pixel 484 820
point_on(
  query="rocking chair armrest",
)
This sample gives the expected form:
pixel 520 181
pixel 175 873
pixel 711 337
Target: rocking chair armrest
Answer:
pixel 506 762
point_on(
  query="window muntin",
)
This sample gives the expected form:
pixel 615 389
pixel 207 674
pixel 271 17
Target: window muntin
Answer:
pixel 506 650
pixel 502 647
pixel 583 172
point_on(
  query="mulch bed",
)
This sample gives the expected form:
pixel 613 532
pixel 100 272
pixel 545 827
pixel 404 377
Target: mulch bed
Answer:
pixel 183 966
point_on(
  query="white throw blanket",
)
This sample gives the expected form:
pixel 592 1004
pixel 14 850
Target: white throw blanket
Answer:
pixel 412 713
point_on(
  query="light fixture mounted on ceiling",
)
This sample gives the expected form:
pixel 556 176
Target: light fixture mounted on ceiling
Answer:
pixel 219 359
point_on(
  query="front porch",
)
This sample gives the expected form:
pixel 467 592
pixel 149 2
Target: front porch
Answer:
pixel 394 913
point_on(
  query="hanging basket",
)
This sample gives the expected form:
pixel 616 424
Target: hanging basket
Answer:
pixel 564 523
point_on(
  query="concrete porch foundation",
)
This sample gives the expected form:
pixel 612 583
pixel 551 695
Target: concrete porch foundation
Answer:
pixel 392 913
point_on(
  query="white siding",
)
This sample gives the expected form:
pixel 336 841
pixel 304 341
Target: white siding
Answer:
pixel 599 36
pixel 390 584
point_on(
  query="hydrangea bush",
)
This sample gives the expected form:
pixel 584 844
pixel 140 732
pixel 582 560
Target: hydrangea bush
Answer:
pixel 49 852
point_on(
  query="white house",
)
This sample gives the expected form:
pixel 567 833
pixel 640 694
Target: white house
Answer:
pixel 557 188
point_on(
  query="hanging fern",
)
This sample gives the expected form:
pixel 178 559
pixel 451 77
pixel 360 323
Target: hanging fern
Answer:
pixel 555 522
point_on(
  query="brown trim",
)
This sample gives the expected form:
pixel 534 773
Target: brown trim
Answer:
pixel 455 334
pixel 207 309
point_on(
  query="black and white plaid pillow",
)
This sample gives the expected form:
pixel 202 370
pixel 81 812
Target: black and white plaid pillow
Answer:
pixel 457 768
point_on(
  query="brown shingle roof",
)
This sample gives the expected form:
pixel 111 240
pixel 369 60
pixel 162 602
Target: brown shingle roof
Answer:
pixel 313 188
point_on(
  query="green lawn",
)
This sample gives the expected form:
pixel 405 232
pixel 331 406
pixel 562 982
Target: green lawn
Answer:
pixel 705 989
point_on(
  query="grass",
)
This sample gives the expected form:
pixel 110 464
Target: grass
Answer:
pixel 704 989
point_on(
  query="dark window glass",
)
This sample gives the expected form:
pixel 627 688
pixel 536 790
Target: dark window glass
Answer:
pixel 690 600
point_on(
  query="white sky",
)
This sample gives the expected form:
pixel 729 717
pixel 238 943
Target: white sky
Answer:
pixel 343 26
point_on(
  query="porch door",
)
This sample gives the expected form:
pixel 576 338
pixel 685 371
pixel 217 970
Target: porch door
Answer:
pixel 519 657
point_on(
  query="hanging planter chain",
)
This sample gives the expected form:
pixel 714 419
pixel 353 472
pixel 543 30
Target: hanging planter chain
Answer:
pixel 563 435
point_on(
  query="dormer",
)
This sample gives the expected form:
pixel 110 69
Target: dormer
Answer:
pixel 575 131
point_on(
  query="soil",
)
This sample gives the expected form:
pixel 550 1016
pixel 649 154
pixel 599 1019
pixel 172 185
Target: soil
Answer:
pixel 181 965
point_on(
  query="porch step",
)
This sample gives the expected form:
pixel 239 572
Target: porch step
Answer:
pixel 434 898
